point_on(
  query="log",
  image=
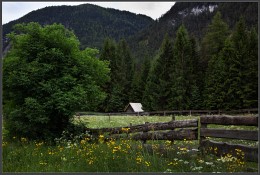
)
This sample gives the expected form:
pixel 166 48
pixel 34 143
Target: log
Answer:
pixel 220 149
pixel 147 127
pixel 229 120
pixel 188 134
pixel 232 134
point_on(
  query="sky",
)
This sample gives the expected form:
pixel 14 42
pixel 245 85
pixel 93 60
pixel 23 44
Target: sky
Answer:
pixel 14 10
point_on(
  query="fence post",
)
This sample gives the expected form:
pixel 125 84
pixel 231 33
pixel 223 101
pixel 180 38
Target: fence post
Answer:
pixel 109 117
pixel 146 123
pixel 173 117
pixel 202 138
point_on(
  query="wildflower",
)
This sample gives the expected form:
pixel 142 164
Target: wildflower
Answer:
pixel 39 144
pixel 197 168
pixel 209 163
pixel 186 162
pixel 138 160
pixel 147 163
pixel 168 171
pixel 4 144
pixel 51 153
pixel 14 137
pixel 90 162
pixel 23 139
pixel 168 142
pixel 63 158
pixel 42 163
pixel 82 142
pixel 201 161
pixel 173 163
pixel 125 129
pixel 101 138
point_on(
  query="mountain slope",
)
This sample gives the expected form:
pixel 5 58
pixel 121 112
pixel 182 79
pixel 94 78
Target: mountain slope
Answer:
pixel 90 23
pixel 195 16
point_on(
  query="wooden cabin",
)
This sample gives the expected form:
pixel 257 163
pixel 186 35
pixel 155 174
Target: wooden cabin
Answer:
pixel 134 107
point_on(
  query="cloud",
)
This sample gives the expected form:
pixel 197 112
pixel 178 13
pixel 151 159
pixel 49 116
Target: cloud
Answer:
pixel 14 10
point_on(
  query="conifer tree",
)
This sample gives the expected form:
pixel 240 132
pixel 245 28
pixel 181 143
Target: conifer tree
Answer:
pixel 212 44
pixel 181 74
pixel 157 91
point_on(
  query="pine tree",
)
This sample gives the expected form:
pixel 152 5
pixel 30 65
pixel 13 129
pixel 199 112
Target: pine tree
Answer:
pixel 113 88
pixel 126 70
pixel 156 96
pixel 214 39
pixel 197 76
pixel 250 78
pixel 181 74
pixel 212 44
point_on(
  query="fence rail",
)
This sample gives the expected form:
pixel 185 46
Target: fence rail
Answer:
pixel 173 112
pixel 220 148
pixel 190 129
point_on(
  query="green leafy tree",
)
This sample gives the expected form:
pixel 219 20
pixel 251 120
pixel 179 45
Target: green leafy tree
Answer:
pixel 46 78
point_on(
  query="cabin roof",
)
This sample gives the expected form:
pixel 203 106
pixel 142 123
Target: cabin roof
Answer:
pixel 137 107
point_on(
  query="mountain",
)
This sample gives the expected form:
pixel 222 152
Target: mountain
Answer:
pixel 195 16
pixel 91 23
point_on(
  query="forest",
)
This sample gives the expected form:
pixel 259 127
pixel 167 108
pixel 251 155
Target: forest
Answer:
pixel 220 72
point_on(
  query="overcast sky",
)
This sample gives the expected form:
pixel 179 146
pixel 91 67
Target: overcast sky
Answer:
pixel 15 10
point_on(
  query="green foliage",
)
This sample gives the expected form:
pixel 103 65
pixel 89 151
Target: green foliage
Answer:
pixel 122 72
pixel 215 37
pixel 182 79
pixel 47 78
pixel 232 73
pixel 158 86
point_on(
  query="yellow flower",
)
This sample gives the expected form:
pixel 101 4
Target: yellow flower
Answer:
pixel 138 160
pixel 101 138
pixel 39 144
pixel 168 142
pixel 125 129
pixel 82 142
pixel 147 163
pixel 23 139
pixel 173 163
pixel 51 153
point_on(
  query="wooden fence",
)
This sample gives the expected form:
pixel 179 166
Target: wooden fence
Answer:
pixel 188 130
pixel 220 148
pixel 154 131
pixel 174 112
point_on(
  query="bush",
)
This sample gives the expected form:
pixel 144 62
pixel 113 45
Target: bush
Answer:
pixel 46 78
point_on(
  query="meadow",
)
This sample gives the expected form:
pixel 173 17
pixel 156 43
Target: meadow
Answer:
pixel 84 154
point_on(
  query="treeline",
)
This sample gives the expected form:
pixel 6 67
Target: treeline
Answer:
pixel 218 72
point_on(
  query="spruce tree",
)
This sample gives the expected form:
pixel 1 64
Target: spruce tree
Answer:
pixel 181 72
pixel 157 91
pixel 212 44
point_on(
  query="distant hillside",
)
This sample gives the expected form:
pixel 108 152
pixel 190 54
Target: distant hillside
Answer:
pixel 90 23
pixel 196 16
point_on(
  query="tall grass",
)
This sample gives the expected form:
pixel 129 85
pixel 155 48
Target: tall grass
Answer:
pixel 114 156
pixel 86 155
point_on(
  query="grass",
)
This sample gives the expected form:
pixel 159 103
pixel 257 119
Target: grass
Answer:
pixel 119 121
pixel 86 155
